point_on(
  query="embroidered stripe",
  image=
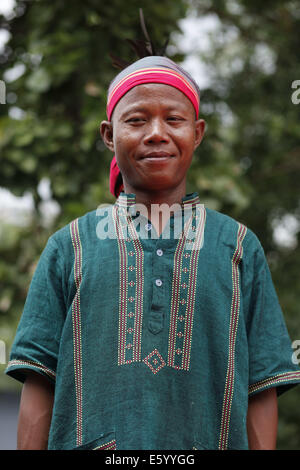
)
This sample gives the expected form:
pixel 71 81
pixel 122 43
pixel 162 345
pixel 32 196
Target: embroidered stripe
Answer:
pixel 139 293
pixel 175 300
pixel 112 445
pixel 35 364
pixel 123 289
pixel 193 202
pixel 131 313
pixel 178 257
pixel 234 316
pixel 276 379
pixel 192 289
pixel 76 319
pixel 125 201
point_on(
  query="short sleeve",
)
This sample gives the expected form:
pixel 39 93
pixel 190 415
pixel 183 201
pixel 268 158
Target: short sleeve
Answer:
pixel 37 339
pixel 269 344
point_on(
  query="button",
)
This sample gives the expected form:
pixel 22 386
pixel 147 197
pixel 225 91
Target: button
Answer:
pixel 158 282
pixel 148 227
pixel 159 252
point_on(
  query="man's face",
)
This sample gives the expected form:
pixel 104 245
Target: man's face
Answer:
pixel 153 134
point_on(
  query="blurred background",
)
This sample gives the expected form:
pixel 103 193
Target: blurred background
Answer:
pixel 55 68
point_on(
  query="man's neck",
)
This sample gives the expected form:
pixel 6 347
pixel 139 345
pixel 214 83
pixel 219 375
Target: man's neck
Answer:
pixel 167 196
pixel 157 203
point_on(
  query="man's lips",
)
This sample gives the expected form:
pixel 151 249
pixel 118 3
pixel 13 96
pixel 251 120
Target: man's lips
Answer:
pixel 157 156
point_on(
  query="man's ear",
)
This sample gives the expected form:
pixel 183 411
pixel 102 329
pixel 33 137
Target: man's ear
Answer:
pixel 106 131
pixel 199 132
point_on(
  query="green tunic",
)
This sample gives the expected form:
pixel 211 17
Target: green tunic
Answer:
pixel 153 342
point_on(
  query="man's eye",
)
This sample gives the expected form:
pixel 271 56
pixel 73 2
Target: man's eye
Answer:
pixel 134 120
pixel 174 118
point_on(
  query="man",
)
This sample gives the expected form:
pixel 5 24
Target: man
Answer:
pixel 160 332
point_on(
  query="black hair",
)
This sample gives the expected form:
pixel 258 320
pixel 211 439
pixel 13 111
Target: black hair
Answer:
pixel 142 47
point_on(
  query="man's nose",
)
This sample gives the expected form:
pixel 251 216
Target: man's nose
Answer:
pixel 156 132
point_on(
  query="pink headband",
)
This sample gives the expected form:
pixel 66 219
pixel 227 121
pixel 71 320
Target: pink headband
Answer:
pixel 155 75
pixel 146 75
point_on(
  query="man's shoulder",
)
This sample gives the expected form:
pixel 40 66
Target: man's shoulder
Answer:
pixel 80 225
pixel 219 222
pixel 220 217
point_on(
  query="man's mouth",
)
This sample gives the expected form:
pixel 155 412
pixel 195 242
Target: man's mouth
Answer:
pixel 157 156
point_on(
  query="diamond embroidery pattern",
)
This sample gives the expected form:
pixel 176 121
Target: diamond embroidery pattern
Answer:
pixel 154 361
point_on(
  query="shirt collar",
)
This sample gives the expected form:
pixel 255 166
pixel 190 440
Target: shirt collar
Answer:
pixel 128 199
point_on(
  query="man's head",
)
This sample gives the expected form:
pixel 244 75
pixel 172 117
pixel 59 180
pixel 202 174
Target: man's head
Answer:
pixel 153 125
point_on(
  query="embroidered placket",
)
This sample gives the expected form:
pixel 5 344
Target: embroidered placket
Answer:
pixel 131 260
pixel 131 288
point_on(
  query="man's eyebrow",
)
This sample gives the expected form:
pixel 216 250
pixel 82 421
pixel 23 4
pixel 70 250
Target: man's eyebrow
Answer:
pixel 133 109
